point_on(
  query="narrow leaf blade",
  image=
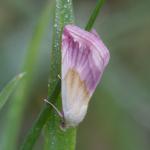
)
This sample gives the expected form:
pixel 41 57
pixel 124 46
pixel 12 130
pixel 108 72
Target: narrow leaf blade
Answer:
pixel 54 137
pixel 94 15
pixel 9 88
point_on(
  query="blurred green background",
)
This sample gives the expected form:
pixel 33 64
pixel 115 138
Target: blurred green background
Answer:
pixel 119 113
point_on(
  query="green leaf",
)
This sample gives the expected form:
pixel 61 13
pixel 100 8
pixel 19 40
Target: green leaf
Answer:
pixel 94 15
pixel 44 115
pixel 55 138
pixel 20 98
pixel 9 88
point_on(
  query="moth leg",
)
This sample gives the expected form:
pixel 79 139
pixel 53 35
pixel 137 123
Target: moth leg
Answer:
pixel 55 108
pixel 60 114
pixel 59 77
pixel 63 126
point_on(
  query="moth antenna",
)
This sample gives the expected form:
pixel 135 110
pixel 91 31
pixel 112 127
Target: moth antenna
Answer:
pixel 55 108
pixel 59 76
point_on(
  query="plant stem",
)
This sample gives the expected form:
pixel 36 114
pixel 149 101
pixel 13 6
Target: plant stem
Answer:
pixel 19 100
pixel 94 15
pixel 41 120
pixel 55 138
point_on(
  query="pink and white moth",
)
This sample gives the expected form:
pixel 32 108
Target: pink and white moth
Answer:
pixel 84 58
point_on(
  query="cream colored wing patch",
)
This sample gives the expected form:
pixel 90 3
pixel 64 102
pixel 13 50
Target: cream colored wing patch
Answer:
pixel 75 98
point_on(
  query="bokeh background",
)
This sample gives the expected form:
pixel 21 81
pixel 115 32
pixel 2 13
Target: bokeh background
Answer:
pixel 119 113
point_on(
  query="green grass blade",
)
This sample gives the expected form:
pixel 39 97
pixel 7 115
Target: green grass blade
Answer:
pixel 20 98
pixel 55 138
pixel 9 88
pixel 43 22
pixel 41 120
pixel 94 15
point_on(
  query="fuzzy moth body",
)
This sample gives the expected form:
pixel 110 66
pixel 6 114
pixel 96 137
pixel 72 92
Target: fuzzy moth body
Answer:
pixel 84 58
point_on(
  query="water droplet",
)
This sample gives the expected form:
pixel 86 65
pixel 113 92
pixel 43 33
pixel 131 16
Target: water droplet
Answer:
pixel 55 25
pixel 52 143
pixel 66 16
pixel 65 6
pixel 57 6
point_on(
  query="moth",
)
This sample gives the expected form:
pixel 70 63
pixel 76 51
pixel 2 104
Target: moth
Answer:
pixel 84 59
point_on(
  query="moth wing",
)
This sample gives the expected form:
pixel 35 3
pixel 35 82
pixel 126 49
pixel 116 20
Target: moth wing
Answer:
pixel 75 98
pixel 84 57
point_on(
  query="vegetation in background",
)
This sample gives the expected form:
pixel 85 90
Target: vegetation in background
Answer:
pixel 118 117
